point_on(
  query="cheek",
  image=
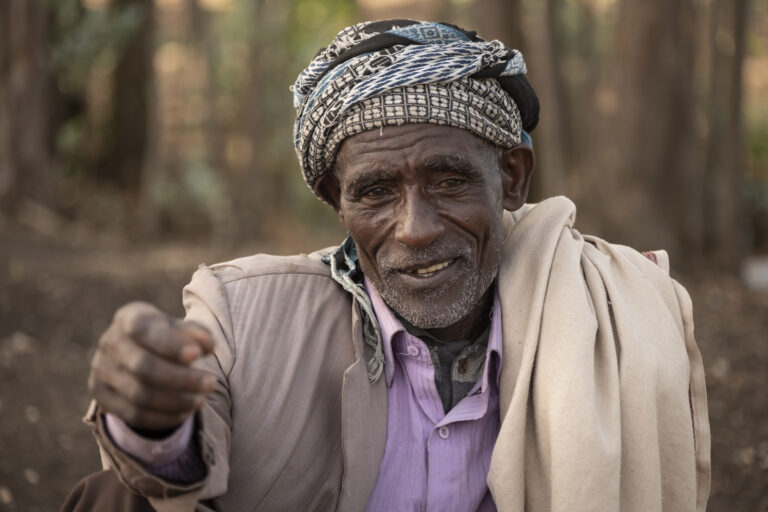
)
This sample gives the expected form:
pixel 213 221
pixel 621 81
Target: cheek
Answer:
pixel 367 227
pixel 484 218
pixel 489 228
pixel 360 222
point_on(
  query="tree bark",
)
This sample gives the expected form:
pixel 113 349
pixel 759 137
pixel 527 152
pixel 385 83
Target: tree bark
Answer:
pixel 722 208
pixel 24 81
pixel 644 173
pixel 130 122
pixel 502 20
pixel 540 31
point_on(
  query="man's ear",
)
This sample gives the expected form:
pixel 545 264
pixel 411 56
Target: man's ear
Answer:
pixel 327 187
pixel 517 165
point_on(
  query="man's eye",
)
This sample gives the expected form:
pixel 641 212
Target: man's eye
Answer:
pixel 450 183
pixel 375 192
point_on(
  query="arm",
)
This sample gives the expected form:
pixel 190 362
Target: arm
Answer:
pixel 207 309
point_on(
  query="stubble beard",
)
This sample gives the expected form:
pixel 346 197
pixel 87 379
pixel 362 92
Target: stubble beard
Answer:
pixel 424 309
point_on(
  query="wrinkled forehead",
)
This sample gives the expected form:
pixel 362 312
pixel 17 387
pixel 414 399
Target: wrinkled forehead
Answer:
pixel 418 137
pixel 421 147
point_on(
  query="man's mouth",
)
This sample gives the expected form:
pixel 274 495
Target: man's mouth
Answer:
pixel 431 270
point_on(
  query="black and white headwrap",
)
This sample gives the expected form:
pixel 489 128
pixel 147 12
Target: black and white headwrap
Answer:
pixel 392 72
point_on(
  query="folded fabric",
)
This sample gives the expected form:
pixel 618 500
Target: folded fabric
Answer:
pixel 603 401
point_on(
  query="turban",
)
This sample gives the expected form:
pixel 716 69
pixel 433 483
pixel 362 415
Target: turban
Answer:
pixel 388 73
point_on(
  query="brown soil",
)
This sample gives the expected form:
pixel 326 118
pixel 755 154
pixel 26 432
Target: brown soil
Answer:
pixel 56 298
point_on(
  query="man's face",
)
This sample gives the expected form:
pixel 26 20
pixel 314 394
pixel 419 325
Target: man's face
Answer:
pixel 424 206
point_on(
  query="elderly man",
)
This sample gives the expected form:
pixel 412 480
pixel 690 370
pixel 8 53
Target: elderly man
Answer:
pixel 448 356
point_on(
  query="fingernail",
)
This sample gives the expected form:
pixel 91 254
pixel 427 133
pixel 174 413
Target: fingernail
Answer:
pixel 190 353
pixel 209 382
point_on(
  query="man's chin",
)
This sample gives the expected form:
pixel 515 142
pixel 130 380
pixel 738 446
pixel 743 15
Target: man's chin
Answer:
pixel 435 309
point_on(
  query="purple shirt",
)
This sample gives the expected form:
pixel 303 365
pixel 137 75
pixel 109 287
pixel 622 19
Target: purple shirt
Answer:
pixel 432 461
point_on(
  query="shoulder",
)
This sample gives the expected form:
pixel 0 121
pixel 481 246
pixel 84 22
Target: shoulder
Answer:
pixel 542 237
pixel 263 265
pixel 541 227
pixel 235 289
pixel 257 301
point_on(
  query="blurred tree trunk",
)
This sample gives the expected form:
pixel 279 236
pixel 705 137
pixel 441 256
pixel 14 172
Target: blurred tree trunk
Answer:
pixel 725 224
pixel 254 188
pixel 433 10
pixel 539 27
pixel 24 81
pixel 549 80
pixel 220 213
pixel 645 177
pixel 444 11
pixel 130 123
pixel 206 48
pixel 584 59
pixel 502 20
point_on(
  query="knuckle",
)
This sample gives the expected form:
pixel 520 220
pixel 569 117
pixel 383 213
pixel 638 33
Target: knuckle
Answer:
pixel 142 366
pixel 137 394
pixel 98 372
pixel 137 325
pixel 95 380
pixel 96 360
pixel 126 311
pixel 135 317
pixel 106 337
pixel 104 399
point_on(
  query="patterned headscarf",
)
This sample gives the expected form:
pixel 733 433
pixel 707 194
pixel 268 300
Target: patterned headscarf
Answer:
pixel 393 72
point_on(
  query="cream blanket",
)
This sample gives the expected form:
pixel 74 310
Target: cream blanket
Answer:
pixel 603 402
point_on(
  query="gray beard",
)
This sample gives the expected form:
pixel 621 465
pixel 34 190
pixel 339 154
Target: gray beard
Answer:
pixel 421 310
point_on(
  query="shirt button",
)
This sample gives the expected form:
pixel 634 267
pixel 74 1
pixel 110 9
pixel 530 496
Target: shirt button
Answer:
pixel 413 351
pixel 444 432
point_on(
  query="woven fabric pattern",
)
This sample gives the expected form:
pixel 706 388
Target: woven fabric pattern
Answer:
pixel 378 74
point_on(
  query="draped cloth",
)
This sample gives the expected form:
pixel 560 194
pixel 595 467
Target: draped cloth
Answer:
pixel 394 72
pixel 603 401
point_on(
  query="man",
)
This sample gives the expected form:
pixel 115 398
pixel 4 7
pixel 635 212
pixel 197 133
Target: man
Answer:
pixel 448 355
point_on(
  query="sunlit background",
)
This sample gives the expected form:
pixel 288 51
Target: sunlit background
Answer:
pixel 139 138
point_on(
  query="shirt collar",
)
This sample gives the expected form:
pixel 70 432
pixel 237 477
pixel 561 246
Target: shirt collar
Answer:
pixel 390 326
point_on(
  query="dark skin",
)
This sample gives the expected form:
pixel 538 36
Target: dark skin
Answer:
pixel 407 190
pixel 410 187
pixel 142 372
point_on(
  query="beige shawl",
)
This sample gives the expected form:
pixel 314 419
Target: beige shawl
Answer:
pixel 603 402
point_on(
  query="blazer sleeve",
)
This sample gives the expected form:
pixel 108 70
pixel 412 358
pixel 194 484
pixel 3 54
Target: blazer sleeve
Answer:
pixel 206 303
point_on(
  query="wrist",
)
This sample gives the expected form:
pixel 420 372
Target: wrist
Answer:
pixel 151 451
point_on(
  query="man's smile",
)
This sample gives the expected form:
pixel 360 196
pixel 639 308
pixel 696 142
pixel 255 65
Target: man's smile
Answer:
pixel 426 269
pixel 432 269
pixel 429 276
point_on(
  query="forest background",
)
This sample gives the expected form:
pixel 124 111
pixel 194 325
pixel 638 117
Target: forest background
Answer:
pixel 139 138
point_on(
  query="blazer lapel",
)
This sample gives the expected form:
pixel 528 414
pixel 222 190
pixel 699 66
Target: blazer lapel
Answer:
pixel 364 425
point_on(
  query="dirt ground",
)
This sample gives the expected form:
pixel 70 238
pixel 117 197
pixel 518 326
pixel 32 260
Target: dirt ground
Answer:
pixel 56 298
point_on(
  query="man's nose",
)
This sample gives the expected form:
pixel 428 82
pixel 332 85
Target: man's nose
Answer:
pixel 418 223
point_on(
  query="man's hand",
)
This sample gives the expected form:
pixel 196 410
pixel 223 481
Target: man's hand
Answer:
pixel 141 372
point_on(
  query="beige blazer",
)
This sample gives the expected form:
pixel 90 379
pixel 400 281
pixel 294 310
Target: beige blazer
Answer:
pixel 603 403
